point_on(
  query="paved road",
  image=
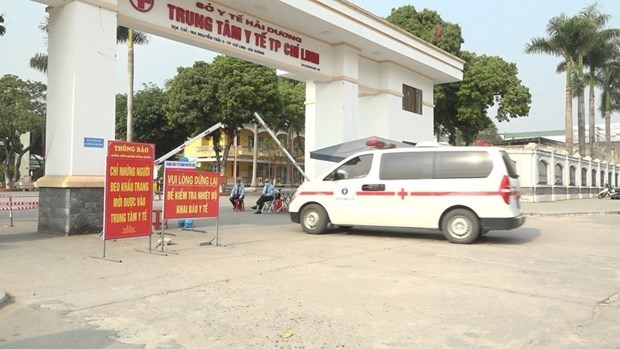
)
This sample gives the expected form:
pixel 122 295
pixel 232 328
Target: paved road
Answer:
pixel 553 283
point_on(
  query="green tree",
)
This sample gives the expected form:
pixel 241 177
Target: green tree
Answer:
pixel 487 81
pixel 566 40
pixel 292 119
pixel 189 101
pixel 609 81
pixel 39 60
pixel 429 26
pixel 488 133
pixel 603 48
pixel 2 27
pixel 229 91
pixel 22 110
pixel 151 123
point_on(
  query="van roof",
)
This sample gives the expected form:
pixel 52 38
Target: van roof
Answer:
pixel 429 148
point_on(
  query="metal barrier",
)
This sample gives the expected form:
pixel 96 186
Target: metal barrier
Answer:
pixel 17 205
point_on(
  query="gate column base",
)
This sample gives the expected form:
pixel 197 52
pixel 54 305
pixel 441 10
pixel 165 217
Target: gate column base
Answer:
pixel 71 205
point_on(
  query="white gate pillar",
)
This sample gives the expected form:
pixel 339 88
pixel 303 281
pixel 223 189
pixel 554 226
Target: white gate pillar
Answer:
pixel 80 115
pixel 332 108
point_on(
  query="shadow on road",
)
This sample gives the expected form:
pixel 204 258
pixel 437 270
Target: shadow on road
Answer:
pixel 82 338
pixel 25 237
pixel 508 237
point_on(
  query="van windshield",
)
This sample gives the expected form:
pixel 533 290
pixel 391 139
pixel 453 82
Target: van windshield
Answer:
pixel 357 167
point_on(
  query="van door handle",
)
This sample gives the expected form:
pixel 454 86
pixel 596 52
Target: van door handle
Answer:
pixel 373 187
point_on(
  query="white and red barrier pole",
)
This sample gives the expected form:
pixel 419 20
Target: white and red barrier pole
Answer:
pixel 11 210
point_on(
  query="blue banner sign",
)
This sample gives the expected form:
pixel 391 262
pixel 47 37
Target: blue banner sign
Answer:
pixel 179 164
pixel 93 142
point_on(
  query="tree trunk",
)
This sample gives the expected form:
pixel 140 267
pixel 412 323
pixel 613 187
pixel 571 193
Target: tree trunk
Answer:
pixel 581 122
pixel 7 177
pixel 6 164
pixel 568 113
pixel 608 136
pixel 18 163
pixel 591 111
pixel 607 116
pixel 227 146
pixel 130 86
pixel 581 108
pixel 16 173
pixel 216 148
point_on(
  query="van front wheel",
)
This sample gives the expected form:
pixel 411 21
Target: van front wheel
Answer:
pixel 314 219
pixel 460 226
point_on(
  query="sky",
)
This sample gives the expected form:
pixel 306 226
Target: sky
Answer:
pixel 491 27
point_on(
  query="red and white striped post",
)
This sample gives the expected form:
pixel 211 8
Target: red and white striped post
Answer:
pixel 11 210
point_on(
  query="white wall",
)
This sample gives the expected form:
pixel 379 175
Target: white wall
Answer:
pixel 527 159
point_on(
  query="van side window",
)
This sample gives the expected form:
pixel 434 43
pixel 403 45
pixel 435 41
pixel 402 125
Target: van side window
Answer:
pixel 414 165
pixel 463 164
pixel 357 167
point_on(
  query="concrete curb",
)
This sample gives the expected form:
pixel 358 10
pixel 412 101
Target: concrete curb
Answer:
pixel 571 214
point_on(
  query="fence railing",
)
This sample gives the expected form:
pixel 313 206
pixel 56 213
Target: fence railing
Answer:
pixel 8 203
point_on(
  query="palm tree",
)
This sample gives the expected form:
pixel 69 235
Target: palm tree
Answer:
pixel 2 28
pixel 596 60
pixel 603 48
pixel 563 41
pixel 39 62
pixel 128 35
pixel 609 81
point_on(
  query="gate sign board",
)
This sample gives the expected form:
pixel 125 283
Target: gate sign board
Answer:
pixel 220 28
pixel 189 193
pixel 128 190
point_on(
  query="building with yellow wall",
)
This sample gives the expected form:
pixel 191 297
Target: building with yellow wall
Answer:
pixel 247 154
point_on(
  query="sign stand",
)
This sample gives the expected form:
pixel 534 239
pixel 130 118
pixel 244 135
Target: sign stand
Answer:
pixel 162 243
pixel 151 250
pixel 102 235
pixel 216 238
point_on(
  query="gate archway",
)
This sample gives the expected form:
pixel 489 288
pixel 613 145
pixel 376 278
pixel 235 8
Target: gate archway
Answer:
pixel 356 66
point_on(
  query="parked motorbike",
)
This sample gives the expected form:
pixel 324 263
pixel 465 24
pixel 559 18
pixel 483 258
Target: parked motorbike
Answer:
pixel 607 191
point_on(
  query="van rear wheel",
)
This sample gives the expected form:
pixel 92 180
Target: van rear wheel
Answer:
pixel 460 226
pixel 314 219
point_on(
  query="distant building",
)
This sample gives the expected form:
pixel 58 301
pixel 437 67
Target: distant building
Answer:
pixel 549 173
pixel 559 135
pixel 556 139
pixel 254 149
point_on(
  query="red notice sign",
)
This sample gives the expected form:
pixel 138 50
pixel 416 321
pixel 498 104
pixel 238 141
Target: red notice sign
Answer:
pixel 189 193
pixel 128 190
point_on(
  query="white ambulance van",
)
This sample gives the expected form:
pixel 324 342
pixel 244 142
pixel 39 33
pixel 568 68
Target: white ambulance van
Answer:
pixel 462 191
